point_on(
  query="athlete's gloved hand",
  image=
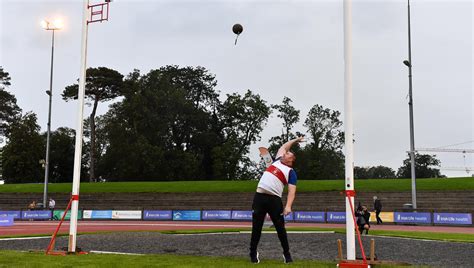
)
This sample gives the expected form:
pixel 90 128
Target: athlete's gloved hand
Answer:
pixel 286 211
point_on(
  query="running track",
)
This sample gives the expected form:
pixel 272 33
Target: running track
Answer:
pixel 48 227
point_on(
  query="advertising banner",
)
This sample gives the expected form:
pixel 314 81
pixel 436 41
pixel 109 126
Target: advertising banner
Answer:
pixel 308 216
pixel 157 215
pixel 289 217
pixel 384 216
pixel 97 214
pixel 186 215
pixel 36 215
pixel 216 214
pixel 126 214
pixel 336 216
pixel 412 217
pixel 58 214
pixel 242 215
pixel 16 214
pixel 452 218
pixel 6 220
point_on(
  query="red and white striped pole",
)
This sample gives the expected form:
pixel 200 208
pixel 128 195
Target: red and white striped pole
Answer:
pixel 348 129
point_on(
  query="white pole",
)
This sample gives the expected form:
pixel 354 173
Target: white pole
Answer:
pixel 349 167
pixel 412 127
pixel 78 149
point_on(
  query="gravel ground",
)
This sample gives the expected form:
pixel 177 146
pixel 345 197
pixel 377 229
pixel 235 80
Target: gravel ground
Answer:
pixel 320 246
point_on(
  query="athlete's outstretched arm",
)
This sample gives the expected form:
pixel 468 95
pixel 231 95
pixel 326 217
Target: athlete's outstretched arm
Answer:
pixel 287 146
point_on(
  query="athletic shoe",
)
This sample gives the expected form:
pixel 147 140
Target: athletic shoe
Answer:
pixel 254 257
pixel 287 257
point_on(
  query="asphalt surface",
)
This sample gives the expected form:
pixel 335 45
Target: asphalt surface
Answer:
pixel 319 246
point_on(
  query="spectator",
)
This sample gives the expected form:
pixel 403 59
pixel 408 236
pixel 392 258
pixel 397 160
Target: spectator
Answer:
pixel 363 218
pixel 378 209
pixel 51 203
pixel 32 205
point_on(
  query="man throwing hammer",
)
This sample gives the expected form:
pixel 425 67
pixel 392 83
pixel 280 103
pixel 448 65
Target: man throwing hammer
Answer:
pixel 268 199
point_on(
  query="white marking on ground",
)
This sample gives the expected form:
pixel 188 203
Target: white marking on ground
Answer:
pixel 418 239
pixel 18 229
pixel 111 252
pixel 24 238
pixel 217 233
pixel 292 232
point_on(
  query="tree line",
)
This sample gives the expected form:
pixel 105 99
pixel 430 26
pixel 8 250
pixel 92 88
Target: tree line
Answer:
pixel 173 124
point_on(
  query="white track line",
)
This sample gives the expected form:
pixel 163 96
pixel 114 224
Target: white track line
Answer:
pixel 111 252
pixel 263 232
pixel 24 238
pixel 418 239
pixel 219 233
pixel 292 232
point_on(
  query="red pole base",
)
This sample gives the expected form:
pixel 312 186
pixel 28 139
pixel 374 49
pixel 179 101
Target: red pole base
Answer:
pixel 64 253
pixel 353 264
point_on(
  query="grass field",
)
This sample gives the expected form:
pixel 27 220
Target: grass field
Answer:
pixel 29 259
pixel 388 185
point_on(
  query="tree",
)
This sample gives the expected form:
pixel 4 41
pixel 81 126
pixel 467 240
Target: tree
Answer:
pixel 102 84
pixel 322 158
pixel 4 78
pixel 242 119
pixel 325 128
pixel 23 152
pixel 171 125
pixel 361 172
pixel 163 128
pixel 424 167
pixel 9 110
pixel 378 172
pixel 314 163
pixel 290 117
pixel 61 155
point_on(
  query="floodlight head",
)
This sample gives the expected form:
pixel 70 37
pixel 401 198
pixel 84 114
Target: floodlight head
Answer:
pixel 57 24
pixel 407 63
pixel 44 24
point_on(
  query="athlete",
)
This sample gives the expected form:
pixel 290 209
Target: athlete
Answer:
pixel 268 199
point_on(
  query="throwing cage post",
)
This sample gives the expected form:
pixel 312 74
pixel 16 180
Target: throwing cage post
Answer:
pixel 53 237
pixel 91 13
pixel 99 12
pixel 354 263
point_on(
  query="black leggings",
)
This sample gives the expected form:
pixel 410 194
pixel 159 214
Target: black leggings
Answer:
pixel 271 204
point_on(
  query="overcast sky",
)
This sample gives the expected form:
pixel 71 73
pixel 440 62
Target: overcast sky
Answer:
pixel 288 48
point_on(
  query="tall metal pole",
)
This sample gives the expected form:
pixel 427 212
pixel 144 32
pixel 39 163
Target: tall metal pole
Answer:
pixel 348 129
pixel 50 93
pixel 410 105
pixel 79 129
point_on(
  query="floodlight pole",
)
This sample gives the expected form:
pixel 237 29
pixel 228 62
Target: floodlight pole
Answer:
pixel 410 105
pixel 48 133
pixel 348 129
